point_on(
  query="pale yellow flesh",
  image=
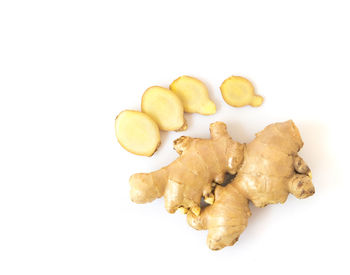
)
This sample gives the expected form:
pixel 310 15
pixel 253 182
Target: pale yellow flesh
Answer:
pixel 137 133
pixel 238 91
pixel 193 95
pixel 164 107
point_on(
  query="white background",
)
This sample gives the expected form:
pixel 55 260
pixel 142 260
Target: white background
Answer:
pixel 67 68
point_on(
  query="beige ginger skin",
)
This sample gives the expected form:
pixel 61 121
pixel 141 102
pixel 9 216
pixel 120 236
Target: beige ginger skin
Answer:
pixel 266 171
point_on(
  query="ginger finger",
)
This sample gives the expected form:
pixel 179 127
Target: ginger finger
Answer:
pixel 300 166
pixel 301 186
pixel 183 182
pixel 225 220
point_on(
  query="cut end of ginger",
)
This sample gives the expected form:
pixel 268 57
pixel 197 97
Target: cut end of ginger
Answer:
pixel 238 91
pixel 137 133
pixel 194 95
pixel 164 107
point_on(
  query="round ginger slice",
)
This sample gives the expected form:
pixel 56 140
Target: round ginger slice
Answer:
pixel 165 108
pixel 194 95
pixel 238 91
pixel 137 133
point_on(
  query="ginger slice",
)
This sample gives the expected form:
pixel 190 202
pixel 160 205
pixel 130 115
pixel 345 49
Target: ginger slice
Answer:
pixel 238 91
pixel 137 133
pixel 194 95
pixel 165 108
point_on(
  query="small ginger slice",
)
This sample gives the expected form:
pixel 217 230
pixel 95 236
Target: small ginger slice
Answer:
pixel 165 108
pixel 238 91
pixel 194 95
pixel 137 133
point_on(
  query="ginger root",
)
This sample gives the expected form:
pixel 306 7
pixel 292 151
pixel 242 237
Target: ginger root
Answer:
pixel 238 91
pixel 266 171
pixel 189 178
pixel 165 108
pixel 137 133
pixel 194 95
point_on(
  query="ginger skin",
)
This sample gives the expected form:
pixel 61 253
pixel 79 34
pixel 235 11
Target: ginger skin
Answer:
pixel 189 177
pixel 267 170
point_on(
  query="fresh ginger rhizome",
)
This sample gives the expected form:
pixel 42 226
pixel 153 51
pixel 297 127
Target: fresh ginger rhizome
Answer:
pixel 266 170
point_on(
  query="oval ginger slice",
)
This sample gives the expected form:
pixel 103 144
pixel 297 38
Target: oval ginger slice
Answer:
pixel 194 95
pixel 238 91
pixel 165 108
pixel 137 133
